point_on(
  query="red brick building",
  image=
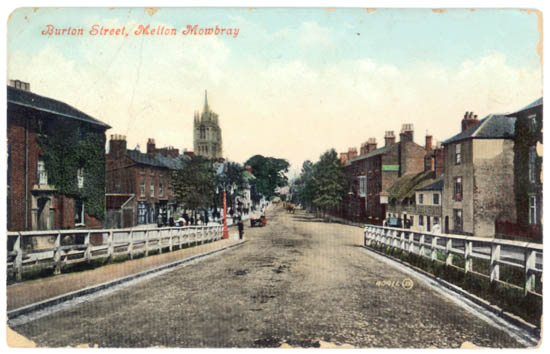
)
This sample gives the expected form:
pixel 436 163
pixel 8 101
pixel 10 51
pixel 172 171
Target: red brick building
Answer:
pixel 34 202
pixel 376 169
pixel 139 185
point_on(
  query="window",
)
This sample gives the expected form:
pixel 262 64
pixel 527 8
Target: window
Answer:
pixel 457 217
pixel 78 212
pixel 458 154
pixel 152 172
pixel 532 122
pixel 161 189
pixel 532 159
pixel 142 171
pixel 436 199
pixel 142 188
pixel 42 174
pixel 412 220
pixel 436 220
pixel 421 220
pixel 80 178
pixel 533 210
pixel 458 188
pixel 421 198
pixel 152 189
pixel 202 133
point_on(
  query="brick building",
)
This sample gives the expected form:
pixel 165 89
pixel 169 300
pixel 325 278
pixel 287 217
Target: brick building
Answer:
pixel 139 185
pixel 34 202
pixel 372 173
pixel 479 176
pixel 412 199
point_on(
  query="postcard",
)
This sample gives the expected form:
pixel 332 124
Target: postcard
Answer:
pixel 274 178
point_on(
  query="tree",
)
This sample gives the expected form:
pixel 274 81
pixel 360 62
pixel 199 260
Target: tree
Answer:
pixel 195 184
pixel 322 185
pixel 329 182
pixel 232 179
pixel 270 173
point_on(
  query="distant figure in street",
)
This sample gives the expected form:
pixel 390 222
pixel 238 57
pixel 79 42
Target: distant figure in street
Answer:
pixel 241 228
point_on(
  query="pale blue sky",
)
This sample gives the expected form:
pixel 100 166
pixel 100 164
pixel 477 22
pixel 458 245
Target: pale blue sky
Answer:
pixel 312 78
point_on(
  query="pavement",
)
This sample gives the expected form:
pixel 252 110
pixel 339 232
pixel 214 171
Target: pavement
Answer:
pixel 297 282
pixel 29 292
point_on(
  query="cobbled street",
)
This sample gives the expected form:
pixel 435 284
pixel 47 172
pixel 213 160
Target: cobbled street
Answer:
pixel 296 282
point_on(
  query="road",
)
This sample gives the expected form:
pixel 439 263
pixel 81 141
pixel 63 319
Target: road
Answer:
pixel 295 282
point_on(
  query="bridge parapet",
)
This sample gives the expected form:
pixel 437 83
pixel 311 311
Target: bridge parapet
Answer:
pixel 444 248
pixel 35 250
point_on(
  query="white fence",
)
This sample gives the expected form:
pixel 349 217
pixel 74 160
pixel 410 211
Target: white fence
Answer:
pixel 495 252
pixel 31 250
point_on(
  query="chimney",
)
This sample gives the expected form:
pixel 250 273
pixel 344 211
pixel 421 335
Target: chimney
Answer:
pixel 18 84
pixel 469 120
pixel 352 152
pixel 407 133
pixel 428 142
pixel 389 138
pixel 439 163
pixel 343 157
pixel 151 146
pixel 117 146
pixel 363 150
pixel 371 144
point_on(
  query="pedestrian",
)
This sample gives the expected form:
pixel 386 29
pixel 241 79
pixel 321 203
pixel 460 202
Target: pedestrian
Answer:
pixel 241 228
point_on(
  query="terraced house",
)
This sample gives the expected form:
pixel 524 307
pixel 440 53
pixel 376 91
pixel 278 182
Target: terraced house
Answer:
pixel 139 185
pixel 56 163
pixel 491 186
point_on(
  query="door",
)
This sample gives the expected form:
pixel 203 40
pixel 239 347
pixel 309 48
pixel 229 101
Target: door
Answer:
pixel 446 224
pixel 43 214
pixel 428 226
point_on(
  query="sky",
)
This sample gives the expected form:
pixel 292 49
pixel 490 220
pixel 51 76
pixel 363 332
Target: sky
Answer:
pixel 293 83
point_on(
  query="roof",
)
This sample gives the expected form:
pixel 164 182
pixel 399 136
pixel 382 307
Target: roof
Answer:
pixel 376 152
pixel 494 126
pixel 405 185
pixel 49 105
pixel 435 186
pixel 157 160
pixel 537 102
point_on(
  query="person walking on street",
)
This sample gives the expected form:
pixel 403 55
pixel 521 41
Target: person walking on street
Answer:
pixel 241 228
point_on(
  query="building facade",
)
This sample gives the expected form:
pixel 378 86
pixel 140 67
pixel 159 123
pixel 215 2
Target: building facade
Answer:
pixel 56 163
pixel 207 134
pixel 479 176
pixel 139 185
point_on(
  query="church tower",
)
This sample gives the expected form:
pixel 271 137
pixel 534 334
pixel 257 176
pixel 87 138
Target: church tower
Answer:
pixel 207 134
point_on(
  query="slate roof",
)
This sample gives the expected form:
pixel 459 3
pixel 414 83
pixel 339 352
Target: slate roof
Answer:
pixel 494 126
pixel 537 102
pixel 49 105
pixel 157 160
pixel 435 186
pixel 376 152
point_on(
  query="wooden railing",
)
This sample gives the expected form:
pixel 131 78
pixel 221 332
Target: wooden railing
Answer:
pixel 34 250
pixel 525 256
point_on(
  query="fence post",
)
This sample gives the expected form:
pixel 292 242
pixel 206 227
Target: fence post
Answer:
pixel 87 244
pixel 159 242
pixel 402 238
pixel 468 247
pixel 111 248
pixel 411 242
pixel 495 268
pixel 18 266
pixel 434 248
pixel 530 264
pixel 422 239
pixel 57 254
pixel 171 244
pixel 131 244
pixel 146 243
pixel 448 253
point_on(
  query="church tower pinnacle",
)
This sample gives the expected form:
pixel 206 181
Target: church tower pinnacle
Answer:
pixel 207 134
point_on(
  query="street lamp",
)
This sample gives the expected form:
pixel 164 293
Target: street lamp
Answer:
pixel 225 232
